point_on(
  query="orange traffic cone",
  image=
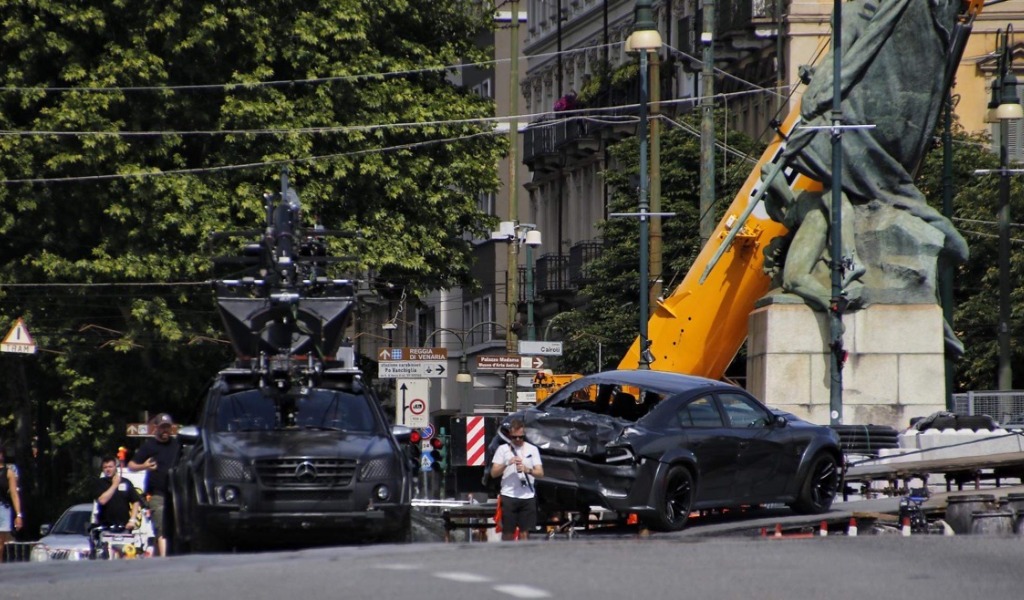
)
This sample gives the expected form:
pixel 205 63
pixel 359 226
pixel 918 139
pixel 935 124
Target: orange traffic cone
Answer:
pixel 778 530
pixel 852 529
pixel 823 529
pixel 906 527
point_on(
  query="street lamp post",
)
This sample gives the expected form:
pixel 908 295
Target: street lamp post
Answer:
pixel 517 234
pixel 463 376
pixel 1009 108
pixel 1004 106
pixel 644 39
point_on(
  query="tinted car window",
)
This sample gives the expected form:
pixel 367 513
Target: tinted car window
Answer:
pixel 700 413
pixel 335 410
pixel 246 411
pixel 742 411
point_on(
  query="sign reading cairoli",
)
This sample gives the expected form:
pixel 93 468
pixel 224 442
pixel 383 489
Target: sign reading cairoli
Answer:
pixel 413 354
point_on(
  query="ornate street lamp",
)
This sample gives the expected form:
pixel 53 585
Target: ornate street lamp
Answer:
pixel 645 39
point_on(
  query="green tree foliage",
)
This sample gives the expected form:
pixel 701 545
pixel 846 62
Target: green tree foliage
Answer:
pixel 134 129
pixel 976 283
pixel 610 319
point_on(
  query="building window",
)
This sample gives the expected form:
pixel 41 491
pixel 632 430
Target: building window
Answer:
pixel 485 202
pixel 484 89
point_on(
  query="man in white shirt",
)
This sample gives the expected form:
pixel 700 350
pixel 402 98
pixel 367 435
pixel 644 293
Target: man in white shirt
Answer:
pixel 518 464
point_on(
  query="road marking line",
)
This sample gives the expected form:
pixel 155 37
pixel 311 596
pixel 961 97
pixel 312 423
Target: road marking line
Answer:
pixel 522 591
pixel 398 567
pixel 463 577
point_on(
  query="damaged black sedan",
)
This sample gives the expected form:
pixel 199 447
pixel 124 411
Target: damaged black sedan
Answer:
pixel 662 445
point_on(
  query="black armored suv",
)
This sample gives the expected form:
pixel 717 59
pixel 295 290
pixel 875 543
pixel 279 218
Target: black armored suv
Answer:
pixel 290 445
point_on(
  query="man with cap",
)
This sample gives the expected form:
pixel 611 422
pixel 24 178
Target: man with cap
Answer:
pixel 155 456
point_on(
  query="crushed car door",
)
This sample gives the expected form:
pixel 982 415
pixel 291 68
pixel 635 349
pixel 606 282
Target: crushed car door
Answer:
pixel 761 448
pixel 705 435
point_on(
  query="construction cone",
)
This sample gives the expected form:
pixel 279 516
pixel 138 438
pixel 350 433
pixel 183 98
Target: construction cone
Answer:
pixel 632 519
pixel 823 530
pixel 852 529
pixel 906 526
pixel 764 532
pixel 778 530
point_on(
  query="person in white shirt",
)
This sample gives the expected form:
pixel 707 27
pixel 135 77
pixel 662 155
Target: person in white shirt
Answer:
pixel 518 464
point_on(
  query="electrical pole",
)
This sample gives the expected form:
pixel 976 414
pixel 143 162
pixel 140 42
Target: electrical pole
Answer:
pixel 838 301
pixel 707 124
pixel 512 287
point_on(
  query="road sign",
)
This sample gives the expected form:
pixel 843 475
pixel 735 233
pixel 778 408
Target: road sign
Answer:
pixel 496 381
pixel 526 397
pixel 500 362
pixel 144 430
pixel 393 354
pixel 411 369
pixel 412 402
pixel 18 340
pixel 138 430
pixel 427 432
pixel 540 348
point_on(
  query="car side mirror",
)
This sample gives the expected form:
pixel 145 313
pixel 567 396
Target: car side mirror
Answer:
pixel 401 432
pixel 188 434
pixel 780 421
pixel 44 529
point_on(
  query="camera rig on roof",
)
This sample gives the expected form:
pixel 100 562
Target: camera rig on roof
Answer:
pixel 284 315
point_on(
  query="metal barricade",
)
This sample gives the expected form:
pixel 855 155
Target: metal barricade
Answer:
pixel 18 551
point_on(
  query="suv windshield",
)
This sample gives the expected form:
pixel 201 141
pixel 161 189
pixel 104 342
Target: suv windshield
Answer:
pixel 253 410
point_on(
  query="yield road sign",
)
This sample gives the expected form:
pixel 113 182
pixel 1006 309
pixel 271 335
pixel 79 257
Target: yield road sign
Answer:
pixel 18 340
pixel 411 369
pixel 508 362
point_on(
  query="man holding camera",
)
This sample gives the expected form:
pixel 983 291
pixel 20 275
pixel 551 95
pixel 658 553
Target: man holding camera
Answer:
pixel 518 464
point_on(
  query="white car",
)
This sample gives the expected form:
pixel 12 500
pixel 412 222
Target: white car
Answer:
pixel 68 539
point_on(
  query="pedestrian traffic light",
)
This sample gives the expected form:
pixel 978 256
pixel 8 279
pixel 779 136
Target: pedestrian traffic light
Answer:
pixel 437 453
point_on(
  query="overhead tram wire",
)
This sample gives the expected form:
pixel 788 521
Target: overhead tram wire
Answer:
pixel 242 85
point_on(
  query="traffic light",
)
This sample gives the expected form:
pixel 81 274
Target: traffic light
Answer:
pixel 445 439
pixel 439 453
pixel 413 450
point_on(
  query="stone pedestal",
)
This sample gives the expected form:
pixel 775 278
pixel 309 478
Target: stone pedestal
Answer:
pixel 895 369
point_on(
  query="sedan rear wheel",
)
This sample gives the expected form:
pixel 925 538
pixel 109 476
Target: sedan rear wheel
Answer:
pixel 676 501
pixel 820 487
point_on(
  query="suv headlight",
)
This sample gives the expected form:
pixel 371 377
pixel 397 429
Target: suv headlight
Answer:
pixel 620 455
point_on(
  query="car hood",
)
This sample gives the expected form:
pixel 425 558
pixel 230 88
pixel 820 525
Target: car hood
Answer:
pixel 256 445
pixel 563 431
pixel 65 541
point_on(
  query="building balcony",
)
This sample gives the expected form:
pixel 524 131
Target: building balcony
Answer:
pixel 539 152
pixel 551 276
pixel 581 258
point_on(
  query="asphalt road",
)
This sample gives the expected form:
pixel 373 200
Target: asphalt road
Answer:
pixel 837 567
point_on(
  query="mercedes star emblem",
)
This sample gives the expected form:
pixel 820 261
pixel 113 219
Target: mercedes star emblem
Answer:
pixel 305 472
